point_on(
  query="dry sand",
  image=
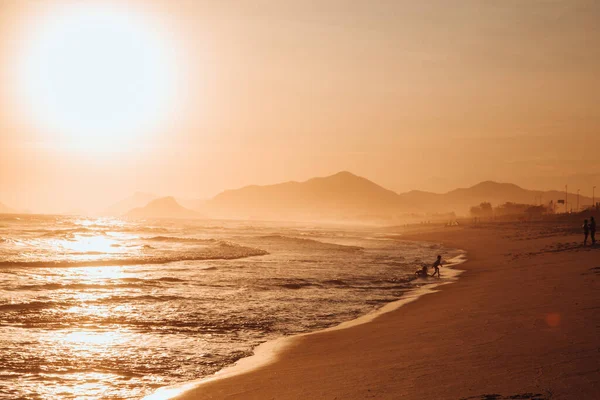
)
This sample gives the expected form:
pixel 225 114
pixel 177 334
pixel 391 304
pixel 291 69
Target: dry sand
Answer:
pixel 523 322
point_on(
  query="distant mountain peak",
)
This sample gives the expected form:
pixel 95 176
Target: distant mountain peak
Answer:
pixel 493 184
pixel 343 195
pixel 487 183
pixel 346 174
pixel 342 177
pixel 164 207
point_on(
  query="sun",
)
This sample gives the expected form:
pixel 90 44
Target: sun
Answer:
pixel 97 74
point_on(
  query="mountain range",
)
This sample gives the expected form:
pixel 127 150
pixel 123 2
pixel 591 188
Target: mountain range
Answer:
pixel 338 196
pixel 347 196
pixel 342 196
pixel 460 200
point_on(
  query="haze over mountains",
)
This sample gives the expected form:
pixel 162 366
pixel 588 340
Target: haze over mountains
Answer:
pixel 460 200
pixel 347 196
pixel 339 197
pixel 164 207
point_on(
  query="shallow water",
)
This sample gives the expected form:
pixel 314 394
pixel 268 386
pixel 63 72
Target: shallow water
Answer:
pixel 108 308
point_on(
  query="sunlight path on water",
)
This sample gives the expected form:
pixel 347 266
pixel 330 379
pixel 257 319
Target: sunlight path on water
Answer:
pixel 167 302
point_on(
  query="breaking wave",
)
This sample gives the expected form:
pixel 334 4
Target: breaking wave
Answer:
pixel 225 251
pixel 180 239
pixel 310 243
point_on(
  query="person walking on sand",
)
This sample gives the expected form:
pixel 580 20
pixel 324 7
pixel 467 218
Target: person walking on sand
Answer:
pixel 593 230
pixel 437 265
pixel 586 231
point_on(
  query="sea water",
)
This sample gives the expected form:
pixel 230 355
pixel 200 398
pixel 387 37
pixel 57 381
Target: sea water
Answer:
pixel 108 308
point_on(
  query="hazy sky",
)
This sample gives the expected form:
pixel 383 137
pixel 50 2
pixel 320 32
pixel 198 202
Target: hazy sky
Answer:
pixel 411 94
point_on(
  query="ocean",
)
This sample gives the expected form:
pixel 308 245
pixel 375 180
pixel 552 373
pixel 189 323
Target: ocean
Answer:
pixel 109 308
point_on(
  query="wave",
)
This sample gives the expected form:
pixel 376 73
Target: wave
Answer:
pixel 143 229
pixel 170 279
pixel 94 230
pixel 72 286
pixel 66 232
pixel 34 305
pixel 134 299
pixel 180 239
pixel 311 242
pixel 41 305
pixel 87 253
pixel 80 286
pixel 296 285
pixel 178 326
pixel 225 251
pixel 109 285
pixel 335 282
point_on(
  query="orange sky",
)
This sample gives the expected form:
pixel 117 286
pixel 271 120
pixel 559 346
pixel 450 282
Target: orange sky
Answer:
pixel 411 94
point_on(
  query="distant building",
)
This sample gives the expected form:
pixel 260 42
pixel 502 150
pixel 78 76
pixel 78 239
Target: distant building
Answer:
pixel 511 210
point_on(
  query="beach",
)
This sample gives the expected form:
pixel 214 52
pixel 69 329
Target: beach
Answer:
pixel 522 322
pixel 109 308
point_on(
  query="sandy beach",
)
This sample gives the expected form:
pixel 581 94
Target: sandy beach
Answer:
pixel 522 322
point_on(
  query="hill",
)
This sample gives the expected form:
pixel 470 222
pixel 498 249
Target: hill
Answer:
pixel 340 196
pixel 460 200
pixel 138 199
pixel 345 196
pixel 165 207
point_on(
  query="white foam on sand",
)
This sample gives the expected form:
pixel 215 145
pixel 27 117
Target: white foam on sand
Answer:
pixel 269 352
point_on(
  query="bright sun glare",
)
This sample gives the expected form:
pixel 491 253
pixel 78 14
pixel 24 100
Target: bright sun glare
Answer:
pixel 97 75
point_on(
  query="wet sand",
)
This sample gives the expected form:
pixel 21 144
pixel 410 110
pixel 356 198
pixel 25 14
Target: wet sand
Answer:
pixel 523 322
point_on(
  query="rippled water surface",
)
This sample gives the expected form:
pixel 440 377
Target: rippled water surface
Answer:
pixel 105 308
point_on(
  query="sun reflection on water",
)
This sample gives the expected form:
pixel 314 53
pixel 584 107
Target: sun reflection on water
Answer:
pixel 140 314
pixel 95 274
pixel 85 345
pixel 95 239
pixel 89 340
pixel 88 244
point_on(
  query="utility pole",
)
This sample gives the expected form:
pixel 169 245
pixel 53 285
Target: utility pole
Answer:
pixel 566 199
pixel 577 210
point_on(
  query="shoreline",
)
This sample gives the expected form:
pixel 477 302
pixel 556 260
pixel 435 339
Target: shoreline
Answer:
pixel 522 324
pixel 268 352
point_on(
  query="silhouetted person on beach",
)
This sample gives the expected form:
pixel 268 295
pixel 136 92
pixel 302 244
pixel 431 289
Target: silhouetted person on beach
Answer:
pixel 593 230
pixel 586 231
pixel 422 273
pixel 436 265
